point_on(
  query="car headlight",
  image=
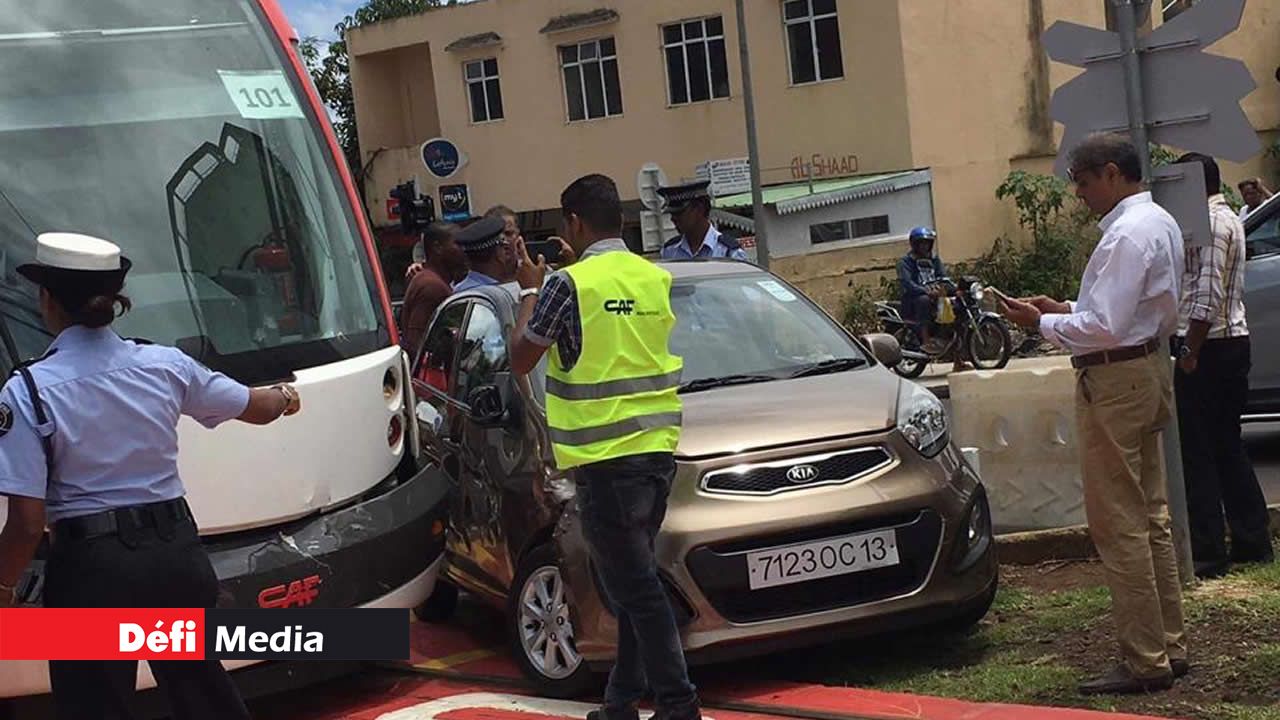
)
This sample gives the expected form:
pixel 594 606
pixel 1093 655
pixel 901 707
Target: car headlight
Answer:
pixel 976 291
pixel 922 419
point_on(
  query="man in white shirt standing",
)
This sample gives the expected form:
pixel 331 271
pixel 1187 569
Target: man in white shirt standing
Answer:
pixel 1118 335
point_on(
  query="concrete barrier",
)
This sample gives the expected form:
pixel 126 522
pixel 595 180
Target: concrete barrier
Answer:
pixel 1021 420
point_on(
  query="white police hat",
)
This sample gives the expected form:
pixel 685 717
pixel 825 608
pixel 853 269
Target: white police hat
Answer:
pixel 63 258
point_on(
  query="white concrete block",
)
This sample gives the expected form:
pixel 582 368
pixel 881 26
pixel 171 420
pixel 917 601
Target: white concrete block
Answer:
pixel 1021 421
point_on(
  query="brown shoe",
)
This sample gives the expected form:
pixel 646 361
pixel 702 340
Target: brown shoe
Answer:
pixel 1121 681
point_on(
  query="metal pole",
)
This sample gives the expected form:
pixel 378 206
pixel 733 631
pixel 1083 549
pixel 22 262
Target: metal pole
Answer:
pixel 753 149
pixel 1127 17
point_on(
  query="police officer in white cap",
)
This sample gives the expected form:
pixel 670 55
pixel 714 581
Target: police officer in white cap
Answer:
pixel 89 445
pixel 689 206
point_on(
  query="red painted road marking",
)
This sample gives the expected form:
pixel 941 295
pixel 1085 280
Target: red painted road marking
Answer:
pixel 447 649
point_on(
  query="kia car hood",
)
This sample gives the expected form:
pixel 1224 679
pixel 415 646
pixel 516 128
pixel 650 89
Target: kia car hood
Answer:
pixel 757 416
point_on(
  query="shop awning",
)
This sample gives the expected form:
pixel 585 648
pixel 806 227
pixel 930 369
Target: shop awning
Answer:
pixel 801 196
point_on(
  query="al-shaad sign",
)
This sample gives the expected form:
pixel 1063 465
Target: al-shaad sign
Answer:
pixel 442 158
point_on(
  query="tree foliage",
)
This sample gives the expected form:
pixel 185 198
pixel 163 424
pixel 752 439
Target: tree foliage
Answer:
pixel 331 69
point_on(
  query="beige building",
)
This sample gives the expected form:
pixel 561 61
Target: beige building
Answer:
pixel 873 115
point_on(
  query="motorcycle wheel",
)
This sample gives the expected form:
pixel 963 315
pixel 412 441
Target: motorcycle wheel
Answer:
pixel 908 368
pixel 990 345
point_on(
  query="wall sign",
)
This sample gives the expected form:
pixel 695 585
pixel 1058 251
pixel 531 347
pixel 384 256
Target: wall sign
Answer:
pixel 728 177
pixel 442 158
pixel 823 166
pixel 455 202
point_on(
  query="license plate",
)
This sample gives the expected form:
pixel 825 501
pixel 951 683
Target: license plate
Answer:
pixel 824 558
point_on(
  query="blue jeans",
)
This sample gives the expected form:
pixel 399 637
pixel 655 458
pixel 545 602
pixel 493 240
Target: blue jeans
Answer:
pixel 622 504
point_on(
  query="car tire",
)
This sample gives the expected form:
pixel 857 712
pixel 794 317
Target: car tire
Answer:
pixel 440 604
pixel 559 672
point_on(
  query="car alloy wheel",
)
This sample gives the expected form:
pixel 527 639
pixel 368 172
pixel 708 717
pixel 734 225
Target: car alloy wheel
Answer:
pixel 545 625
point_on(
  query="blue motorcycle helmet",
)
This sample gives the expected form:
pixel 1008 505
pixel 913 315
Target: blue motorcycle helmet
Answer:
pixel 922 236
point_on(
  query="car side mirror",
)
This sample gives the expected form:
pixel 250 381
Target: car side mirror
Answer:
pixel 885 347
pixel 487 406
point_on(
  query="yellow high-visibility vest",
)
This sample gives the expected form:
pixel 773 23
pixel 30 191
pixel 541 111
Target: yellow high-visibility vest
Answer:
pixel 620 398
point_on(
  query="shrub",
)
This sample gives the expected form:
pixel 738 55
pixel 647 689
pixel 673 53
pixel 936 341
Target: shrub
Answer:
pixel 858 310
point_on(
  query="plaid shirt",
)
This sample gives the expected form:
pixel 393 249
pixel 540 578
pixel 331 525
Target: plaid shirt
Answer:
pixel 555 317
pixel 1213 282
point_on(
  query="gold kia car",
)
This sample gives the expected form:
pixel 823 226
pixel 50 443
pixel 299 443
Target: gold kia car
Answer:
pixel 818 494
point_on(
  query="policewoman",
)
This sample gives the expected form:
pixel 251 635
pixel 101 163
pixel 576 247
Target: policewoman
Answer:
pixel 689 206
pixel 89 446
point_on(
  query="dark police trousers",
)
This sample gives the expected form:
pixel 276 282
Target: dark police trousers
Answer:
pixel 1218 473
pixel 137 568
pixel 622 504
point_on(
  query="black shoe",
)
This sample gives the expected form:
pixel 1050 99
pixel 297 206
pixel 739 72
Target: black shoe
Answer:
pixel 629 712
pixel 1180 668
pixel 1121 681
pixel 1208 569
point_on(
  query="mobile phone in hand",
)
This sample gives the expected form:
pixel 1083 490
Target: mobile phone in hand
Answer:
pixel 1004 298
pixel 548 249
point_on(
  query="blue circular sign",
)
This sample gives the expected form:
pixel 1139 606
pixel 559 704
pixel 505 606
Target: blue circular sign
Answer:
pixel 441 157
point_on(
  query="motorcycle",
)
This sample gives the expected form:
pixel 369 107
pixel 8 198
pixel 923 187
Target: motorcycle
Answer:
pixel 980 336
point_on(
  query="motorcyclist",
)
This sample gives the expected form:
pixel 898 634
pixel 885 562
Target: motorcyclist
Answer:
pixel 916 270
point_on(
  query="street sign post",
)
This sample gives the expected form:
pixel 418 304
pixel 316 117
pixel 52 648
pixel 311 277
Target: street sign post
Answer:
pixel 1164 89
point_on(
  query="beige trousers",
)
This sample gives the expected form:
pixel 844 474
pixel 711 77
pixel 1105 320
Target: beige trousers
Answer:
pixel 1121 409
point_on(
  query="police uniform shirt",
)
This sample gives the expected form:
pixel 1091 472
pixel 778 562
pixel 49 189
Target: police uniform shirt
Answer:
pixel 714 245
pixel 474 279
pixel 112 408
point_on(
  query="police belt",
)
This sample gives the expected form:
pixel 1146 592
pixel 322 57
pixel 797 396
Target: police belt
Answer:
pixel 162 515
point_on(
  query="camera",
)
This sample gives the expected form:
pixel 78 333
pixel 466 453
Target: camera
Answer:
pixel 416 211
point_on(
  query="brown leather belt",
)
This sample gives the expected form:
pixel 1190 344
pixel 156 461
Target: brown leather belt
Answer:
pixel 1133 352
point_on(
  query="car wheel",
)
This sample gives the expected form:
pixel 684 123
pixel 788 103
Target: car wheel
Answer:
pixel 440 605
pixel 541 628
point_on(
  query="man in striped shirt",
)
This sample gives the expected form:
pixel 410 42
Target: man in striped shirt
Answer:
pixel 1212 385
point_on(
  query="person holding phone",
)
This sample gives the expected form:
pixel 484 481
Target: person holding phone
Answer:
pixel 1118 334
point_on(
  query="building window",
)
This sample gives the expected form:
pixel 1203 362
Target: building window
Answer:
pixel 591 83
pixel 482 86
pixel 813 40
pixel 849 229
pixel 696 66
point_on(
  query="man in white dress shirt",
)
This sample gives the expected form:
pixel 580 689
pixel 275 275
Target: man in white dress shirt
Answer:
pixel 1118 335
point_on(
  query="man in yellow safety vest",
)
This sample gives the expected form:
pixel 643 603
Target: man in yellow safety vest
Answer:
pixel 614 418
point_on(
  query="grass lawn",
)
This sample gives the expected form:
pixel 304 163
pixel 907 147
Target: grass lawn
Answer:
pixel 1050 628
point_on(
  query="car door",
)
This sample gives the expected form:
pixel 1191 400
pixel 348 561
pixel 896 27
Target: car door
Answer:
pixel 496 464
pixel 434 372
pixel 1262 308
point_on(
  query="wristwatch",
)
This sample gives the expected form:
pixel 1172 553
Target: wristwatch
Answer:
pixel 289 397
pixel 526 292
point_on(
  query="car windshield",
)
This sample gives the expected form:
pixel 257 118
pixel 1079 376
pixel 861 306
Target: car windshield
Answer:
pixel 179 131
pixel 752 325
